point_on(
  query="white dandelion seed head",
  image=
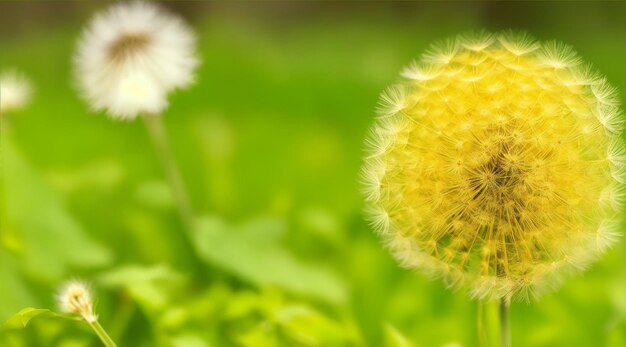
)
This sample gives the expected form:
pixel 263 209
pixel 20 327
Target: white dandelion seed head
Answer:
pixel 131 56
pixel 75 297
pixel 15 91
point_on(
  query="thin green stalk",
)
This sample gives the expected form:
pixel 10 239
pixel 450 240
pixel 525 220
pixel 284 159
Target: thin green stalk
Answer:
pixel 505 322
pixel 480 325
pixel 154 123
pixel 102 334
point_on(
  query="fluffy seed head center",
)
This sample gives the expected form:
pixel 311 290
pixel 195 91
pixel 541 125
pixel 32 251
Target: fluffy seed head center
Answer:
pixel 128 45
pixel 497 184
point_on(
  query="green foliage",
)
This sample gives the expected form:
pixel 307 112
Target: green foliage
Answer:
pixel 233 248
pixel 149 286
pixel 14 292
pixel 51 240
pixel 395 338
pixel 22 318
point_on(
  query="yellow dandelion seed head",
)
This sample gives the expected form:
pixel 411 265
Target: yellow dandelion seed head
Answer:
pixel 497 165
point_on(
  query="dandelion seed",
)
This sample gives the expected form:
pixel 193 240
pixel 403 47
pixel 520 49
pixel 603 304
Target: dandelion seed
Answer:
pixel 419 73
pixel 518 43
pixel 392 101
pixel 502 174
pixel 558 55
pixel 585 75
pixel 441 52
pixel 131 56
pixel 605 93
pixel 15 91
pixel 476 41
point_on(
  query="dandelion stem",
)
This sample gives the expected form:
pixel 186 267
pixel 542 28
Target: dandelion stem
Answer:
pixel 154 123
pixel 480 324
pixel 505 322
pixel 102 334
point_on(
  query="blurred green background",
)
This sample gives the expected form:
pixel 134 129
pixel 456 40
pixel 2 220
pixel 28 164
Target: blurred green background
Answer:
pixel 269 141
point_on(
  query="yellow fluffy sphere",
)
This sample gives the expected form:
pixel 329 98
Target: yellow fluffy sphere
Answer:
pixel 496 164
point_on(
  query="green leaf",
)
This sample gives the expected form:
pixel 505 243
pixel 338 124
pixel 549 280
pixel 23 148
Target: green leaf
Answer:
pixel 21 319
pixel 188 340
pixel 309 327
pixel 150 286
pixel 14 293
pixel 51 241
pixel 395 338
pixel 253 252
pixel 100 174
pixel 154 194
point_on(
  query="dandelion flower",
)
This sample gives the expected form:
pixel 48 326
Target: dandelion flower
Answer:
pixel 15 91
pixel 74 297
pixel 131 56
pixel 496 164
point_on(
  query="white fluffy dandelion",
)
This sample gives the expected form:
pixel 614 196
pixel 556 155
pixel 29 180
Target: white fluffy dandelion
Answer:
pixel 15 91
pixel 131 56
pixel 74 297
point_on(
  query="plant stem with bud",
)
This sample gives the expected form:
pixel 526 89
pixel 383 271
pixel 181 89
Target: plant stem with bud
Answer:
pixel 75 298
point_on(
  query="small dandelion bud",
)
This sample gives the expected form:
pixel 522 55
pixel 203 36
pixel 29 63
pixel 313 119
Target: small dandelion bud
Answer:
pixel 131 56
pixel 15 91
pixel 74 297
pixel 497 164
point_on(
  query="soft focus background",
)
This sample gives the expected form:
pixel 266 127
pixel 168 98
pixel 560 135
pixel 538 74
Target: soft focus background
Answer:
pixel 269 142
